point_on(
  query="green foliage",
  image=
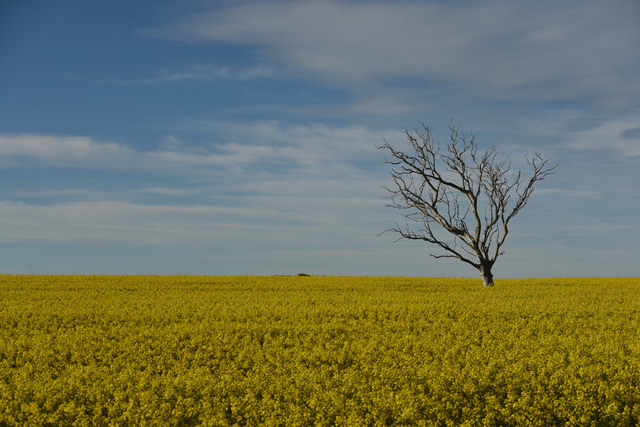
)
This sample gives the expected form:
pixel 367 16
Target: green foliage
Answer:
pixel 179 350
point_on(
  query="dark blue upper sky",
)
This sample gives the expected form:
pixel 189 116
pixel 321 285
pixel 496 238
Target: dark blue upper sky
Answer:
pixel 234 137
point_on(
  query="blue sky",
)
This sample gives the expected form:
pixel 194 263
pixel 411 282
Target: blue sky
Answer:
pixel 238 137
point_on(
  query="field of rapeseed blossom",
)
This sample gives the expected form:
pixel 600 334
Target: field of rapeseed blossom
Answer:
pixel 186 350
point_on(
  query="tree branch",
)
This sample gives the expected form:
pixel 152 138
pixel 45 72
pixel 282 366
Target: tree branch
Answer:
pixel 432 185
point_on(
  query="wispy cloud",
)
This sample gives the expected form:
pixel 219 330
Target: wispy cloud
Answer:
pixel 124 222
pixel 310 220
pixel 619 136
pixel 603 227
pixel 314 148
pixel 177 192
pixel 202 72
pixel 265 180
pixel 498 48
pixel 66 151
pixel 567 192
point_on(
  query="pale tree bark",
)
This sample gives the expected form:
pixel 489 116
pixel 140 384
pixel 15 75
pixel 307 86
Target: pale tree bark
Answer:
pixel 487 276
pixel 459 199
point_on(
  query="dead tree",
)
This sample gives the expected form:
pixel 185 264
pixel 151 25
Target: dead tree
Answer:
pixel 462 200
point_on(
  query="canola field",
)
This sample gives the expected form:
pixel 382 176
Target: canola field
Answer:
pixel 287 351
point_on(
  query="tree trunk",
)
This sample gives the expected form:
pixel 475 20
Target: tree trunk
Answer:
pixel 487 277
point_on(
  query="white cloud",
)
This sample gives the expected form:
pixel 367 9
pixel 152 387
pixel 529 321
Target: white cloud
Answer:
pixel 125 222
pixel 316 148
pixel 66 151
pixel 546 49
pixel 611 136
pixel 568 192
pixel 267 182
pixel 603 227
pixel 202 72
pixel 288 220
pixel 562 133
pixel 177 192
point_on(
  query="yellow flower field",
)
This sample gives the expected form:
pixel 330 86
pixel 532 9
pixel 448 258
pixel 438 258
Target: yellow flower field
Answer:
pixel 196 350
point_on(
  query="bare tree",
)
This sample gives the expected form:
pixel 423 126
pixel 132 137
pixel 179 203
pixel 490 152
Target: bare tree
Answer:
pixel 461 199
